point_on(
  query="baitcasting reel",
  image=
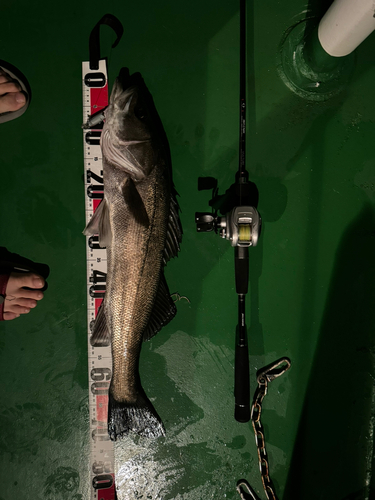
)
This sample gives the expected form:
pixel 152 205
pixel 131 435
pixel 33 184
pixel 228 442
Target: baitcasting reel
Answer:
pixel 241 226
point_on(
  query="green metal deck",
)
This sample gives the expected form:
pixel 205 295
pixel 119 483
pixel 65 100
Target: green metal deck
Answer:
pixel 312 276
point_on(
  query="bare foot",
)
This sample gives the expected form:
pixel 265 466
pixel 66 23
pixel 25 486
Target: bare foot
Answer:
pixel 17 299
pixel 11 97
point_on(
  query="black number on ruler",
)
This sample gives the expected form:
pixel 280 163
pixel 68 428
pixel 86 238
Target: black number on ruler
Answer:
pixel 100 435
pixel 98 277
pixel 95 80
pixel 95 192
pixel 98 374
pixel 102 481
pixel 92 175
pixel 93 242
pixel 100 467
pixel 100 388
pixel 97 291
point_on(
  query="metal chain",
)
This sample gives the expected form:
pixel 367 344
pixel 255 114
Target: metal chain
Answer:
pixel 264 376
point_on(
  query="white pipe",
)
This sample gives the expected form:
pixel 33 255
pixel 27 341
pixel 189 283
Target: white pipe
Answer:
pixel 345 25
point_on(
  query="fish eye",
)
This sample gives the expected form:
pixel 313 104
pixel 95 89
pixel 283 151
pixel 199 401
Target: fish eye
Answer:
pixel 140 112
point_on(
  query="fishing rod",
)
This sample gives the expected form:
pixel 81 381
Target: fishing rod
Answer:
pixel 240 223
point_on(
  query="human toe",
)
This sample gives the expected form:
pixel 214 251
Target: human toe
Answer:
pixel 19 305
pixel 16 294
pixel 24 286
pixel 11 97
pixel 38 281
pixel 8 86
pixel 20 302
pixel 31 294
pixel 30 280
pixel 4 77
pixel 17 309
pixel 12 101
pixel 10 315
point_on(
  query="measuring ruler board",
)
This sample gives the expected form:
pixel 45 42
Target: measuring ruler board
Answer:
pixel 95 98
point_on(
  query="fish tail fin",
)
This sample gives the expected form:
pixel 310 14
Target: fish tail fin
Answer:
pixel 139 418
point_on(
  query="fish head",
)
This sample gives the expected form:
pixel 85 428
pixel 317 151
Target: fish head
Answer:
pixel 130 133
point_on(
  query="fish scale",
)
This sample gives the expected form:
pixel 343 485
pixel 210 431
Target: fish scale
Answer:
pixel 133 268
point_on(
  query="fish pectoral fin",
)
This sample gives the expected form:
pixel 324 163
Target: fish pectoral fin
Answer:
pixel 100 336
pixel 100 224
pixel 135 203
pixel 174 230
pixel 163 312
pixel 116 156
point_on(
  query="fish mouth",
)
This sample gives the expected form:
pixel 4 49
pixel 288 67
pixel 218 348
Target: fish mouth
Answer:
pixel 126 89
pixel 130 115
pixel 126 80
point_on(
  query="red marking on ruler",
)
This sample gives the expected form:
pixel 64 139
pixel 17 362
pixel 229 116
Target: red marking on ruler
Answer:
pixel 95 204
pixel 101 408
pixel 98 98
pixel 98 303
pixel 107 493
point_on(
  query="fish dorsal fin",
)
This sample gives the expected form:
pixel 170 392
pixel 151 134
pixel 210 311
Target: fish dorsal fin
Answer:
pixel 163 311
pixel 174 230
pixel 135 203
pixel 100 336
pixel 100 224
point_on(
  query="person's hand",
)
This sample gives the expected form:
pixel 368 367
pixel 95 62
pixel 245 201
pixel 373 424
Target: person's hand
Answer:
pixel 18 300
pixel 11 97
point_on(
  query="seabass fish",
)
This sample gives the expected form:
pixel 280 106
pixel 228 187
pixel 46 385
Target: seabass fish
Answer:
pixel 138 222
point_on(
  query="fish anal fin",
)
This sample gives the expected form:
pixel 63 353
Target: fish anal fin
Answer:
pixel 135 203
pixel 100 336
pixel 100 224
pixel 174 230
pixel 164 310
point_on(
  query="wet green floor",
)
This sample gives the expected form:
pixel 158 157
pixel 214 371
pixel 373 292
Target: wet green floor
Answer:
pixel 311 277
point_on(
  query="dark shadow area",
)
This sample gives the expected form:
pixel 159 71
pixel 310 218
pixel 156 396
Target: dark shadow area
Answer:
pixel 315 139
pixel 333 448
pixel 360 495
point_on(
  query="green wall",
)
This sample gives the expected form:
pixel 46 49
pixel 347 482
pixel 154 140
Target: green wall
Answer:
pixel 311 276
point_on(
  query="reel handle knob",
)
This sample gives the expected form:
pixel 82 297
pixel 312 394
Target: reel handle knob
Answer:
pixel 205 222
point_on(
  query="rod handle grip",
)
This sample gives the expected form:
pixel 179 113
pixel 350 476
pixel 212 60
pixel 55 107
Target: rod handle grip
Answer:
pixel 241 383
pixel 241 269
